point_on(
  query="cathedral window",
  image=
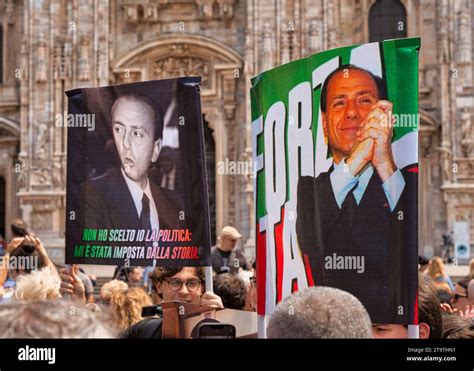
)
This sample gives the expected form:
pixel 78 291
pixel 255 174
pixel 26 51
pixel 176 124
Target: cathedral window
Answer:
pixel 387 20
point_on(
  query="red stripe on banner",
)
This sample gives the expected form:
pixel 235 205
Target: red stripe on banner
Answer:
pixel 294 286
pixel 279 255
pixel 307 268
pixel 413 169
pixel 415 312
pixel 261 269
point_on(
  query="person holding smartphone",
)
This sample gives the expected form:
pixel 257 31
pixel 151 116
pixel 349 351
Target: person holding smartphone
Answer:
pixel 186 284
pixel 23 256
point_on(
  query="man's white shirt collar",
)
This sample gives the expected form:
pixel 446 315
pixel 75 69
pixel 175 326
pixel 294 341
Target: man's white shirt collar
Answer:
pixel 137 195
pixel 342 182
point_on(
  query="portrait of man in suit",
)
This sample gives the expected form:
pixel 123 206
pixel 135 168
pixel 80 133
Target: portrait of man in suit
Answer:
pixel 126 196
pixel 356 223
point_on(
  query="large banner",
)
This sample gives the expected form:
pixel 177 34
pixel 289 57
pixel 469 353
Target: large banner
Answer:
pixel 136 179
pixel 335 146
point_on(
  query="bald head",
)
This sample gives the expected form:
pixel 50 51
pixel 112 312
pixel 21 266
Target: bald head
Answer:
pixel 320 313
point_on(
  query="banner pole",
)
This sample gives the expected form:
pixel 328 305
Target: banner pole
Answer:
pixel 262 326
pixel 208 276
pixel 413 332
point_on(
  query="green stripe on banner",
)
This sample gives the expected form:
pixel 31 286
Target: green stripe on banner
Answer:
pixel 402 80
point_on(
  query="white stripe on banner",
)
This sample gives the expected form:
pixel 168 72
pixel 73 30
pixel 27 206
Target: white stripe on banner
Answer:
pixel 401 153
pixel 402 156
pixel 257 128
pixel 359 58
pixel 321 164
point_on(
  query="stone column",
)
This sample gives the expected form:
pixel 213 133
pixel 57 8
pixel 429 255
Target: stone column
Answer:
pixel 216 120
pixel 267 54
pixel 285 44
pixel 249 72
pixel 8 146
pixel 102 46
pixel 331 23
pixel 464 45
pixel 315 42
pixel 444 60
pixel 425 236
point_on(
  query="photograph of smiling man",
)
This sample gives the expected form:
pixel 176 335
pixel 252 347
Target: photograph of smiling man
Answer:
pixel 360 244
pixel 335 141
pixel 137 175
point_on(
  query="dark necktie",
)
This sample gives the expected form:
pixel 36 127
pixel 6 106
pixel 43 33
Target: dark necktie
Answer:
pixel 145 215
pixel 350 207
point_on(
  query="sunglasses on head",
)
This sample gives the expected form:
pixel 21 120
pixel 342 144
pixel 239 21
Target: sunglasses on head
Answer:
pixel 457 296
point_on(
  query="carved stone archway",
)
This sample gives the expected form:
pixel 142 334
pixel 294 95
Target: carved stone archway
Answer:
pixel 219 66
pixel 9 141
pixel 414 21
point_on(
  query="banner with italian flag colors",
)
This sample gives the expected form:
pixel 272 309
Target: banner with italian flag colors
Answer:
pixel 335 144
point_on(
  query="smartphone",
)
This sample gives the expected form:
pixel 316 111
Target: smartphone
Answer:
pixel 216 331
pixel 152 310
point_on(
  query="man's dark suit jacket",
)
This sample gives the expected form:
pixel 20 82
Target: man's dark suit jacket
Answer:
pixel 217 259
pixel 109 204
pixel 388 244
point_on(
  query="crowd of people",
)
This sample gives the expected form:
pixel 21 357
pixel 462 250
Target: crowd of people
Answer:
pixel 39 299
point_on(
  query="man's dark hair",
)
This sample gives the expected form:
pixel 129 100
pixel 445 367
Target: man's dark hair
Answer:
pixel 456 327
pixel 379 82
pixel 19 228
pixel 464 283
pixel 429 306
pixel 231 288
pixel 27 258
pixel 423 260
pixel 128 270
pixel 158 116
pixel 444 296
pixel 124 272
